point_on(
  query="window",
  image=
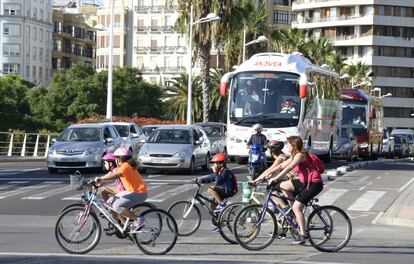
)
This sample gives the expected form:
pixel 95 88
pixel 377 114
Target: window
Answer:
pixel 41 35
pixel 35 12
pixel 34 53
pixel 154 45
pixel 11 30
pixel 11 68
pixel 11 49
pixel 41 14
pixel 41 54
pixel 27 71
pixel 12 9
pixel 167 62
pixel 117 21
pixel 34 33
pixel 140 62
pixel 281 17
pixel 40 73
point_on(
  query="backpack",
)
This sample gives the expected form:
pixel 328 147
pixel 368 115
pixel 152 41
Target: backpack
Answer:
pixel 316 162
pixel 235 186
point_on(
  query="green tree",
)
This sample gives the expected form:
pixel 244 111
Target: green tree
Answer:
pixel 176 96
pixel 359 73
pixel 218 103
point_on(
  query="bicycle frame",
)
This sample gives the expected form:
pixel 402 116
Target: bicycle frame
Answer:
pixel 202 200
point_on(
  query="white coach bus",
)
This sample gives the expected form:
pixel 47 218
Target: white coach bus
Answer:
pixel 288 95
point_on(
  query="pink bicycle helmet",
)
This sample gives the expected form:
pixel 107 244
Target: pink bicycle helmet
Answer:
pixel 109 157
pixel 122 152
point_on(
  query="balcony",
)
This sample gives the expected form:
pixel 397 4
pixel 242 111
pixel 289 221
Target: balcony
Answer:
pixel 155 29
pixel 173 70
pixel 141 50
pixel 139 29
pixel 167 29
pixel 141 9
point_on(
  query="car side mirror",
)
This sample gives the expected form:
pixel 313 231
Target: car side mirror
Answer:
pixel 198 142
pixel 392 138
pixel 53 140
pixel 142 140
pixel 108 140
pixel 134 135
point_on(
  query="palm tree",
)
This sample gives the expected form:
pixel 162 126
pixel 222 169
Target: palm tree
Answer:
pixel 218 103
pixel 359 73
pixel 176 98
pixel 288 41
pixel 202 40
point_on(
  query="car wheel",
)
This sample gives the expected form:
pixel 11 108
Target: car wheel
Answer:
pixel 205 166
pixel 191 168
pixel 52 170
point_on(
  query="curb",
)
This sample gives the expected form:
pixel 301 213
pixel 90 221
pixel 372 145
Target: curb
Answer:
pixel 21 159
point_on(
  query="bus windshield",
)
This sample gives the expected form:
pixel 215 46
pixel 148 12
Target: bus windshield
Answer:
pixel 269 98
pixel 354 115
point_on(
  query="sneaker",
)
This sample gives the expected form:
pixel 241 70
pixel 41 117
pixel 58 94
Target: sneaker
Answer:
pixel 137 224
pixel 300 240
pixel 282 236
pixel 219 208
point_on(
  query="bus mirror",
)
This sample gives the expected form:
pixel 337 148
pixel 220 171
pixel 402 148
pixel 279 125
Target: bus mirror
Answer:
pixel 223 88
pixel 303 90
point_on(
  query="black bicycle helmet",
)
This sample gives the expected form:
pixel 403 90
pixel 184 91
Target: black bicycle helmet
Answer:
pixel 275 145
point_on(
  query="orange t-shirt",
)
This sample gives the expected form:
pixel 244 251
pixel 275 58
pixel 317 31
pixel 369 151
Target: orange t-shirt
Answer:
pixel 131 179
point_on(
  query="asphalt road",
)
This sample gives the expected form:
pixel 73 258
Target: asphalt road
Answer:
pixel 30 199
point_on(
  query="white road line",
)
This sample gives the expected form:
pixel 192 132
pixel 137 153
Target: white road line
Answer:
pixel 165 195
pixel 23 190
pixel 366 201
pixel 7 186
pixel 76 197
pixel 35 169
pixel 405 185
pixel 331 195
pixel 41 196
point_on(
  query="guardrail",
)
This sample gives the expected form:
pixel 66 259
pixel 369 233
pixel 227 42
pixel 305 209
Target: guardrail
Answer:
pixel 24 144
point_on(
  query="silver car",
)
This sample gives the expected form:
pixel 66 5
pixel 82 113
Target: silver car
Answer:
pixel 148 129
pixel 176 147
pixel 216 133
pixel 82 146
pixel 131 134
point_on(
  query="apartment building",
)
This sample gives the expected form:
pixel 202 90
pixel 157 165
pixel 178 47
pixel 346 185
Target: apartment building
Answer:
pixel 379 33
pixel 26 39
pixel 279 14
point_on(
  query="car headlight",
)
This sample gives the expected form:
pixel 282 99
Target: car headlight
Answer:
pixel 180 154
pixel 92 151
pixel 143 153
pixel 51 151
pixel 363 145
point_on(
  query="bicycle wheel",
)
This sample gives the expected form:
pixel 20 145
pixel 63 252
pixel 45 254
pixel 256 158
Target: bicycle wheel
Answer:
pixel 76 231
pixel 226 221
pixel 187 216
pixel 152 238
pixel 140 208
pixel 77 204
pixel 252 232
pixel 330 228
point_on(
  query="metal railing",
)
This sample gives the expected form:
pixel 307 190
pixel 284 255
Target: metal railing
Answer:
pixel 24 144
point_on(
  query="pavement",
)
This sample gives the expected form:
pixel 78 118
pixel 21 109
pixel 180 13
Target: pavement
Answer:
pixel 400 213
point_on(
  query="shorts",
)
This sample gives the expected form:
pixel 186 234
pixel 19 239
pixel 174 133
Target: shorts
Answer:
pixel 222 192
pixel 125 200
pixel 302 193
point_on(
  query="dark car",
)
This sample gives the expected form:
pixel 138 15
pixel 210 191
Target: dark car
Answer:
pixel 347 147
pixel 401 148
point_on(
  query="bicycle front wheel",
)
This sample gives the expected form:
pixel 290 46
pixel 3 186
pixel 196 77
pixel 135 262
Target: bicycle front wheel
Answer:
pixel 187 216
pixel 226 221
pixel 253 228
pixel 330 228
pixel 154 238
pixel 76 231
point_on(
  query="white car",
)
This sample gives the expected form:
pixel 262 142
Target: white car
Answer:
pixel 176 147
pixel 388 145
pixel 131 134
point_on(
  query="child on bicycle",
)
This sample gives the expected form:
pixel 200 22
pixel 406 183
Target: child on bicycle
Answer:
pixel 223 177
pixel 135 188
pixel 305 188
pixel 110 166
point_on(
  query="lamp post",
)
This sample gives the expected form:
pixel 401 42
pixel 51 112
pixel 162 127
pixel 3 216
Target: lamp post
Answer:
pixel 110 59
pixel 386 95
pixel 208 18
pixel 258 40
pixel 377 89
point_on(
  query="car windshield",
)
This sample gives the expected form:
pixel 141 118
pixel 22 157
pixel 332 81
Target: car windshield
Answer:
pixel 80 134
pixel 148 130
pixel 271 98
pixel 171 136
pixel 123 130
pixel 212 130
pixel 397 139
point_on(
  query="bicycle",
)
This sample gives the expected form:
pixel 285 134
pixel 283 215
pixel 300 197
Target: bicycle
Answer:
pixel 255 226
pixel 187 213
pixel 78 229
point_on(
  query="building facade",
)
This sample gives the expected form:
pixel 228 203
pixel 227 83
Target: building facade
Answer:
pixel 379 33
pixel 279 14
pixel 26 39
pixel 73 40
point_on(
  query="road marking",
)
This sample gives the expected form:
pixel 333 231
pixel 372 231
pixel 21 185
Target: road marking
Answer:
pixel 46 194
pixel 366 201
pixel 35 169
pixel 168 194
pixel 330 196
pixel 7 186
pixel 76 197
pixel 405 185
pixel 23 190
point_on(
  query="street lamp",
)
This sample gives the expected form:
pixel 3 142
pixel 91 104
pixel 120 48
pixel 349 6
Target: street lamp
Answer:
pixel 377 89
pixel 258 40
pixel 210 17
pixel 386 95
pixel 111 37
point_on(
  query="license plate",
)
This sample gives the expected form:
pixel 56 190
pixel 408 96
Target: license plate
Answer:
pixel 67 159
pixel 255 157
pixel 164 161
